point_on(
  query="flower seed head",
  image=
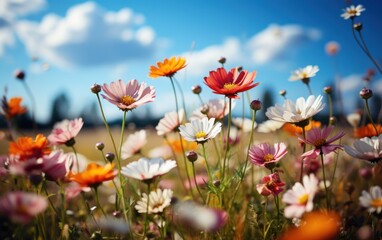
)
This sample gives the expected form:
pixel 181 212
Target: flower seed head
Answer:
pixel 366 93
pixel 357 26
pixel 192 156
pixel 333 121
pixel 20 75
pixel 110 156
pixel 222 60
pixel 256 105
pixel 328 90
pixel 96 88
pixel 100 146
pixel 197 89
pixel 282 93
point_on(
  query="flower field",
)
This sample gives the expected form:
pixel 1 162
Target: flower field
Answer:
pixel 199 173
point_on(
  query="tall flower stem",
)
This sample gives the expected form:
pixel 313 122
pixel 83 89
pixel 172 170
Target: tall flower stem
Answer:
pixel 182 96
pixel 370 117
pixel 330 108
pixel 207 164
pixel 97 200
pixel 227 139
pixel 304 149
pixel 75 154
pixel 30 94
pixel 147 211
pixel 324 178
pixel 196 183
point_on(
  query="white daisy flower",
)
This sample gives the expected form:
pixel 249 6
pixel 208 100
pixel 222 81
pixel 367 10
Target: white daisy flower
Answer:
pixel 145 169
pixel 245 124
pixel 300 197
pixel 200 130
pixel 133 144
pixel 215 108
pixel 296 112
pixel 169 122
pixel 372 200
pixel 159 200
pixel 366 148
pixel 304 73
pixel 352 11
pixel 269 126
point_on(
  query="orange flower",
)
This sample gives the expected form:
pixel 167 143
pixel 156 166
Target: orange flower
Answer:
pixel 94 175
pixel 367 131
pixel 294 130
pixel 27 148
pixel 315 226
pixel 177 147
pixel 168 67
pixel 13 107
pixel 231 83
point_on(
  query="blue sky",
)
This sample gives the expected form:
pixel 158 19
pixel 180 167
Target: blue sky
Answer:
pixel 78 43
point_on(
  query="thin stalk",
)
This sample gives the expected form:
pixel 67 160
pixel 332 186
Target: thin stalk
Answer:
pixel 370 117
pixel 97 200
pixel 228 132
pixel 207 164
pixel 368 52
pixel 330 108
pixel 196 184
pixel 277 204
pixel 323 175
pixel 147 210
pixel 182 96
pixel 309 88
pixel 30 94
pixel 303 151
pixel 77 162
pixel 50 200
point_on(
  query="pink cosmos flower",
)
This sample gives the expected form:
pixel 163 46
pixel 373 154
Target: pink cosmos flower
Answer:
pixel 270 184
pixel 21 207
pixel 266 155
pixel 128 96
pixel 300 197
pixel 65 131
pixel 318 139
pixel 170 122
pixel 215 108
pixel 56 165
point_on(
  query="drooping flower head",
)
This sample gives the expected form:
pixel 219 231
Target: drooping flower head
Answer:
pixel 369 149
pixel 22 207
pixel 128 96
pixel 214 108
pixel 170 122
pixel 372 200
pixel 94 175
pixel 133 144
pixel 231 83
pixel 297 112
pixel 267 155
pixel 12 108
pixel 65 131
pixel 26 148
pixel 159 200
pixel 352 11
pixel 318 138
pixel 304 73
pixel 300 197
pixel 200 130
pixel 147 169
pixel 168 67
pixel 270 184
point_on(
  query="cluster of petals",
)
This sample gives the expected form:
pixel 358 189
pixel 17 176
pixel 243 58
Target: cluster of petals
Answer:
pixel 94 175
pixel 158 201
pixel 231 83
pixel 368 130
pixel 65 131
pixel 270 184
pixel 168 67
pixel 264 154
pixel 22 207
pixel 318 138
pixel 26 148
pixel 299 199
pixel 146 169
pixel 200 130
pixel 214 108
pixel 133 144
pixel 304 73
pixel 352 11
pixel 12 108
pixel 369 149
pixel 296 112
pixel 170 122
pixel 128 96
pixel 56 165
pixel 372 200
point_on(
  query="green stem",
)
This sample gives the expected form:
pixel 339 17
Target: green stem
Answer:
pixel 147 210
pixel 303 151
pixel 210 179
pixel 368 53
pixel 323 175
pixel 370 117
pixel 196 184
pixel 227 139
pixel 77 162
pixel 97 200
pixel 182 96
pixel 330 108
pixel 30 94
pixel 309 88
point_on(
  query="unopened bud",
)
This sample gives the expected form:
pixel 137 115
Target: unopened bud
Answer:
pixel 216 183
pixel 205 110
pixel 100 146
pixel 282 93
pixel 96 88
pixel 333 121
pixel 328 90
pixel 197 89
pixel 20 74
pixel 357 26
pixel 222 60
pixel 366 93
pixel 192 156
pixel 256 105
pixel 239 69
pixel 110 156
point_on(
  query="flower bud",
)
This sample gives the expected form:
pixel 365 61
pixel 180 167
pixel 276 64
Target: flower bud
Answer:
pixel 366 93
pixel 110 156
pixel 333 121
pixel 216 183
pixel 328 90
pixel 192 156
pixel 256 105
pixel 197 89
pixel 239 69
pixel 96 88
pixel 100 146
pixel 205 110
pixel 20 74
pixel 222 60
pixel 357 26
pixel 282 93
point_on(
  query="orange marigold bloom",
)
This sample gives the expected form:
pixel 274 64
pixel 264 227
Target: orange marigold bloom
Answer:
pixel 188 146
pixel 168 67
pixel 26 148
pixel 12 107
pixel 231 83
pixel 94 175
pixel 367 131
pixel 294 130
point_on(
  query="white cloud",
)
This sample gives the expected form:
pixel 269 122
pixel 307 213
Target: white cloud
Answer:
pixel 88 35
pixel 351 82
pixel 6 38
pixel 13 8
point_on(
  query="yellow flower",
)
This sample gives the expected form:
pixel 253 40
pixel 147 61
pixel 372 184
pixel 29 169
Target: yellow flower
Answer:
pixel 168 67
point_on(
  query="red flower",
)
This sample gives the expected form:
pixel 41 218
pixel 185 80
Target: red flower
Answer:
pixel 231 83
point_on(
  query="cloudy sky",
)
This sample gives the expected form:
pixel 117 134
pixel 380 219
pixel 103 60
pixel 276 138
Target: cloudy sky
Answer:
pixel 66 46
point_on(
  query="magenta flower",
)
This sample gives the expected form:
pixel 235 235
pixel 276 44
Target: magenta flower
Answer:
pixel 318 139
pixel 270 184
pixel 65 131
pixel 21 207
pixel 266 155
pixel 128 96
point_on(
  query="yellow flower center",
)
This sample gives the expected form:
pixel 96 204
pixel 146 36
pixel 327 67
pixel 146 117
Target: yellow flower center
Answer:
pixel 376 203
pixel 304 75
pixel 268 157
pixel 229 86
pixel 200 134
pixel 319 142
pixel 352 12
pixel 127 100
pixel 303 199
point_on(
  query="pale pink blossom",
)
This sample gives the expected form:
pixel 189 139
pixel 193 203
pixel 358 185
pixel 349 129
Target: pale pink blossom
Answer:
pixel 170 122
pixel 369 149
pixel 133 144
pixel 215 108
pixel 267 155
pixel 56 165
pixel 65 131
